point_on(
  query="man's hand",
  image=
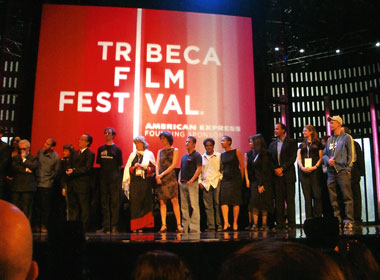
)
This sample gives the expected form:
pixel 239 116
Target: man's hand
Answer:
pixel 278 172
pixel 261 189
pixel 332 161
pixel 28 170
pixel 69 171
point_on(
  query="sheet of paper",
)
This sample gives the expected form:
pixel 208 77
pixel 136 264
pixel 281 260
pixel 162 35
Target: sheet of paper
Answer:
pixel 308 162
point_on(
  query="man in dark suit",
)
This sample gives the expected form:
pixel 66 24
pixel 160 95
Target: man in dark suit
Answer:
pixel 284 153
pixel 78 192
pixel 24 184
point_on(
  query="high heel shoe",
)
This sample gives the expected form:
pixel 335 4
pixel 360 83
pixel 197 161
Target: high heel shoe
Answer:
pixel 227 228
pixel 179 228
pixel 163 229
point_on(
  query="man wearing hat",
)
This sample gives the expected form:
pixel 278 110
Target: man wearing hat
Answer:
pixel 337 156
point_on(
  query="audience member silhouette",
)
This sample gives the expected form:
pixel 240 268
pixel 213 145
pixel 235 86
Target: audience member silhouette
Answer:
pixel 16 244
pixel 161 265
pixel 266 260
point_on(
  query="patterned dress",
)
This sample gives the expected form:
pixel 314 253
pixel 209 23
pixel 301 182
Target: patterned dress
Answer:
pixel 169 187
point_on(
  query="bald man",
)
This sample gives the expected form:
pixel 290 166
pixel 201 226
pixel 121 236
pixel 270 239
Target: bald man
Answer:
pixel 16 244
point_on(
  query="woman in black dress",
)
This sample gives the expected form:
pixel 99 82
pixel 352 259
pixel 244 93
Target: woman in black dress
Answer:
pixel 309 158
pixel 261 184
pixel 138 176
pixel 232 182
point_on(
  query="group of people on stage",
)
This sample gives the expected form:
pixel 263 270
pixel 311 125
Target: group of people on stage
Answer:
pixel 267 172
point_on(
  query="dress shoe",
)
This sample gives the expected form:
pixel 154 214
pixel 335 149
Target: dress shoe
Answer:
pixel 254 227
pixel 36 229
pixel 103 230
pixel 43 229
pixel 209 230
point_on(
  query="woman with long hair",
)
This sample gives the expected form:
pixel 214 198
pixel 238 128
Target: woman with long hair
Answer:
pixel 261 183
pixel 309 159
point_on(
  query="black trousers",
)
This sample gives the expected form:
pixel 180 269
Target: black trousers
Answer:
pixel 24 201
pixel 311 189
pixel 42 206
pixel 356 193
pixel 285 192
pixel 78 206
pixel 110 203
pixel 3 188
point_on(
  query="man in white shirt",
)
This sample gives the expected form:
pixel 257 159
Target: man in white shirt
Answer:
pixel 209 182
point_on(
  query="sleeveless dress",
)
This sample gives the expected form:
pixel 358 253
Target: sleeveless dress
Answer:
pixel 232 182
pixel 169 187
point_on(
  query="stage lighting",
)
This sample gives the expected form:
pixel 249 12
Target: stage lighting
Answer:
pixel 276 49
pixel 302 50
pixel 378 44
pixel 337 51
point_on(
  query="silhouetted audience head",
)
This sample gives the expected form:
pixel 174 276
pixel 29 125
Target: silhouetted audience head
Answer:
pixel 160 265
pixel 322 233
pixel 359 259
pixel 16 244
pixel 266 260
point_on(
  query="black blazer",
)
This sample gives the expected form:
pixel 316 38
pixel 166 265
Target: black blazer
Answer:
pixel 22 180
pixel 262 170
pixel 82 166
pixel 288 156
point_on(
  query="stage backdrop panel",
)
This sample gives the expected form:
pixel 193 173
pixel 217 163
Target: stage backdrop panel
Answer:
pixel 142 72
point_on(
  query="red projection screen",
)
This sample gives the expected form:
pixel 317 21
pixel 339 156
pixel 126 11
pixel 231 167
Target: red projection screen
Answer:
pixel 141 72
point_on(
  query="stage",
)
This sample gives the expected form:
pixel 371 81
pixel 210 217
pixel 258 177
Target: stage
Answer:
pixel 112 256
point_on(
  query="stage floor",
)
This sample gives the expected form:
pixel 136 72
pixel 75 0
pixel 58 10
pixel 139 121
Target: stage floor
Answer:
pixel 172 237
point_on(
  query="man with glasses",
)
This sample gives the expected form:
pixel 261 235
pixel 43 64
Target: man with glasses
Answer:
pixel 110 159
pixel 78 192
pixel 24 184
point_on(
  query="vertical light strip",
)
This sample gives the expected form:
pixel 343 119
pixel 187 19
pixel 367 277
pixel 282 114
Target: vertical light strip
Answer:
pixel 136 96
pixel 283 114
pixel 327 114
pixel 375 149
